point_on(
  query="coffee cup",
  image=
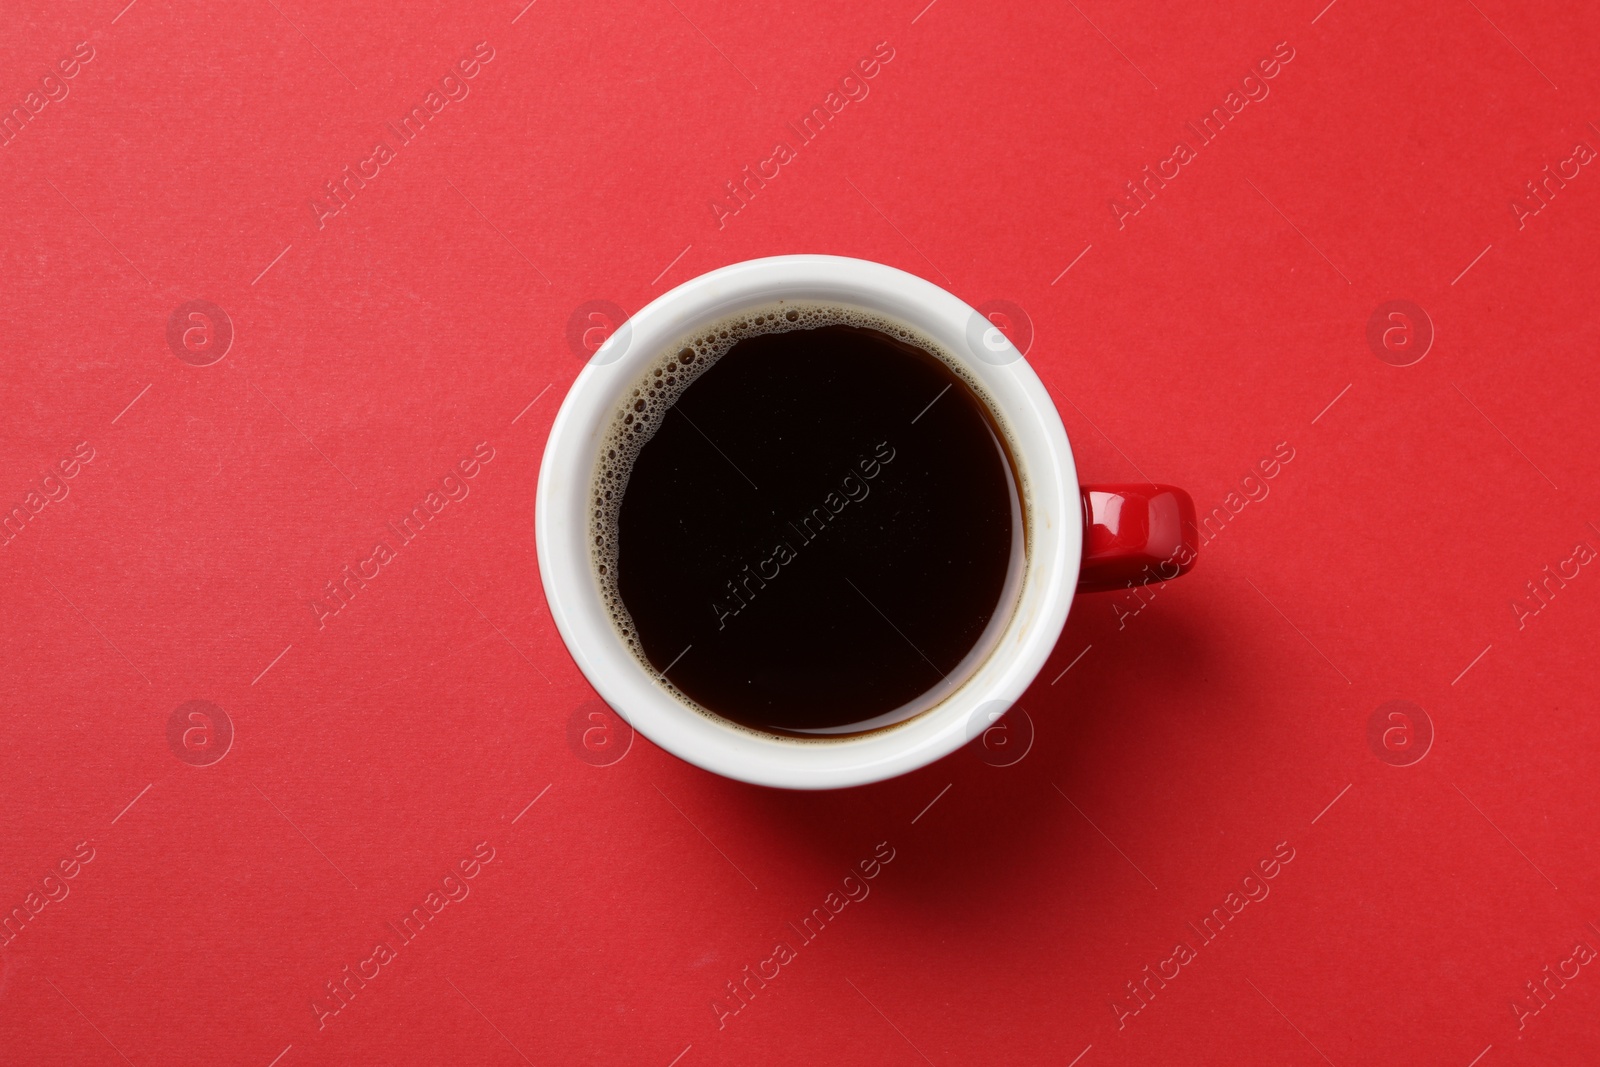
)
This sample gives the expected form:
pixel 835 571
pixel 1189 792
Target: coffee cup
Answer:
pixel 1078 538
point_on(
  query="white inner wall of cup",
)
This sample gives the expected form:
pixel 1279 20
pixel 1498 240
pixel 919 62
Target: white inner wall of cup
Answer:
pixel 1053 514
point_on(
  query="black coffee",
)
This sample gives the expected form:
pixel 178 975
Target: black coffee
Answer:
pixel 821 532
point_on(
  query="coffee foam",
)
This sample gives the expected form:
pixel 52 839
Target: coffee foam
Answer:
pixel 645 403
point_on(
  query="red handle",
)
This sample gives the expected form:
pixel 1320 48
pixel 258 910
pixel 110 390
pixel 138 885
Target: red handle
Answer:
pixel 1135 535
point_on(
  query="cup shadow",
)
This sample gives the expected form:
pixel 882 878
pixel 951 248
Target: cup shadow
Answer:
pixel 973 830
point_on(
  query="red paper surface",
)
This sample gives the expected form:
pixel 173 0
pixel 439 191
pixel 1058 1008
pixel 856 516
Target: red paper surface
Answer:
pixel 1180 740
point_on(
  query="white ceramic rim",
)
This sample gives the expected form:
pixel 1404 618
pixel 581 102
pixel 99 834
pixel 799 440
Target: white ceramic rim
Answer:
pixel 1054 516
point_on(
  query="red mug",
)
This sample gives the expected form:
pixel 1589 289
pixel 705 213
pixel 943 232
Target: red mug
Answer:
pixel 1079 539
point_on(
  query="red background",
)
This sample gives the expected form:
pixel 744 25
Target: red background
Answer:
pixel 374 753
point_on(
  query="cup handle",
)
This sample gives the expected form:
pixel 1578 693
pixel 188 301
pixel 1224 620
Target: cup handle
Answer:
pixel 1135 534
